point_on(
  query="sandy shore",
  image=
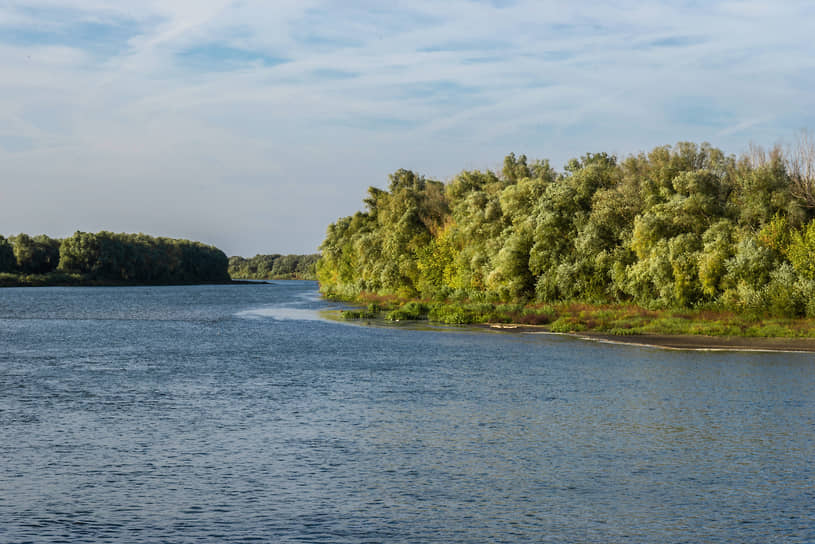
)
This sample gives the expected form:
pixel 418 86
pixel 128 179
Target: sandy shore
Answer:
pixel 684 342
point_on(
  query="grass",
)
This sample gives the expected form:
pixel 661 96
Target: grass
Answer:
pixel 612 319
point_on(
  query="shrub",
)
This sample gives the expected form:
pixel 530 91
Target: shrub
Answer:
pixel 359 314
pixel 451 314
pixel 567 324
pixel 411 311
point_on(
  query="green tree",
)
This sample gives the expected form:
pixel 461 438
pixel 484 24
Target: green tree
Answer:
pixel 8 262
pixel 37 255
pixel 802 251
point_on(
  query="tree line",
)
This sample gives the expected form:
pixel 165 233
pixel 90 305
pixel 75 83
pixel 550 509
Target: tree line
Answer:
pixel 268 267
pixel 109 256
pixel 683 226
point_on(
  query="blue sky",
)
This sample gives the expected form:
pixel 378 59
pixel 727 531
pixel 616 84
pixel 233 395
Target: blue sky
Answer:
pixel 252 125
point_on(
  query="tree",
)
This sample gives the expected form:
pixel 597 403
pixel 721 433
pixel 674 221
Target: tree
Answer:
pixel 801 165
pixel 141 258
pixel 680 226
pixel 38 255
pixel 802 251
pixel 8 262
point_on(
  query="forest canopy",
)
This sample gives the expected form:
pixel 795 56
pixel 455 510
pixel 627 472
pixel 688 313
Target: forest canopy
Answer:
pixel 117 257
pixel 683 226
pixel 270 267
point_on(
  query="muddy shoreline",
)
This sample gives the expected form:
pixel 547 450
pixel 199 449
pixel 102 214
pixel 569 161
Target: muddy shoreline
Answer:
pixel 682 342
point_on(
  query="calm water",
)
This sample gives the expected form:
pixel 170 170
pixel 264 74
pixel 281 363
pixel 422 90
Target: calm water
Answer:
pixel 236 414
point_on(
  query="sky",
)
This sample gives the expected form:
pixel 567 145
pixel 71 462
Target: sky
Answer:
pixel 253 125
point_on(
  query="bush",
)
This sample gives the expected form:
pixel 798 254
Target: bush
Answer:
pixel 411 311
pixel 370 313
pixel 567 324
pixel 451 314
pixel 785 296
pixel 536 317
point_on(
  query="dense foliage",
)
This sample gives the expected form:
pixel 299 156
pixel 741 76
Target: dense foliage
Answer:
pixel 268 267
pixel 678 227
pixel 107 256
pixel 22 253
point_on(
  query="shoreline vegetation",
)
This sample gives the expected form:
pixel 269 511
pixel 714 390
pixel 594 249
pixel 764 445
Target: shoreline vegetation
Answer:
pixel 681 242
pixel 59 279
pixel 108 259
pixel 274 267
pixel 624 324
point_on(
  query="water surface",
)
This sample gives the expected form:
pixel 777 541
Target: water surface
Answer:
pixel 237 414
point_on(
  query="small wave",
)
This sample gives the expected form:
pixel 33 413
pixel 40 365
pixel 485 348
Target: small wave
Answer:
pixel 281 314
pixel 311 296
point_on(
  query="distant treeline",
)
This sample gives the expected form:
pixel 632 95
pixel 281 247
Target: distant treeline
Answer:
pixel 269 267
pixel 678 227
pixel 108 256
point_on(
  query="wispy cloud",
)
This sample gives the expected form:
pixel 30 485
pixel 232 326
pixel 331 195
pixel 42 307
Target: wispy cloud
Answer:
pixel 227 120
pixel 742 126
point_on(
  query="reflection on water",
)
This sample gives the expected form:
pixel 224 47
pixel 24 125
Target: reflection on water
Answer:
pixel 235 413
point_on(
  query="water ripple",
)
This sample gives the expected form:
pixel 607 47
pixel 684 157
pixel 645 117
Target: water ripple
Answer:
pixel 236 414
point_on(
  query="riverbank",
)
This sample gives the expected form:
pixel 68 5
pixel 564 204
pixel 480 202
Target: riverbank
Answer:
pixel 280 277
pixel 57 279
pixel 679 329
pixel 679 341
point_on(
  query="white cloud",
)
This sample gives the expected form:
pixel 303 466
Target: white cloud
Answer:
pixel 290 109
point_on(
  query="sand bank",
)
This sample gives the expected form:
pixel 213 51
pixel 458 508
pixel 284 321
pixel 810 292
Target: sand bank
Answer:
pixel 684 342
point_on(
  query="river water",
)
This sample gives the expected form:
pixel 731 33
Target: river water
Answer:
pixel 239 414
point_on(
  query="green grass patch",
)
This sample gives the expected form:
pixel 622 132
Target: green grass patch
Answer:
pixel 373 311
pixel 618 320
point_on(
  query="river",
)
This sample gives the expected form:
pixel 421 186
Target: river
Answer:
pixel 238 413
